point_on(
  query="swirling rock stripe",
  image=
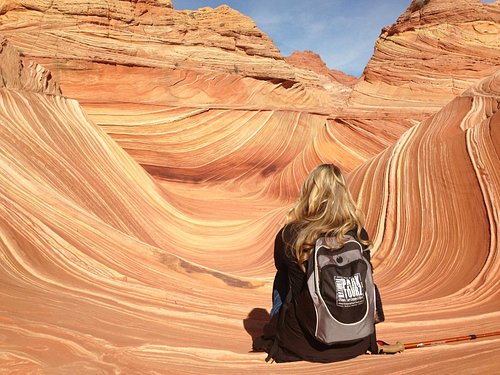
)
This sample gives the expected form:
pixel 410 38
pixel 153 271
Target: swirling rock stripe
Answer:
pixel 54 155
pixel 432 200
pixel 104 268
pixel 106 299
pixel 73 276
pixel 24 75
pixel 115 33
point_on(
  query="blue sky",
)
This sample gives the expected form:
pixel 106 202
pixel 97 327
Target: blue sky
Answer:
pixel 342 32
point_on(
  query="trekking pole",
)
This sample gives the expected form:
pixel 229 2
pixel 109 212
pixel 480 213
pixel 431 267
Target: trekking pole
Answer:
pixel 421 344
pixel 398 347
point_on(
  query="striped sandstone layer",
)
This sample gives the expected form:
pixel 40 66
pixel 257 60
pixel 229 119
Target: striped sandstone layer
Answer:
pixel 17 74
pixel 102 267
pixel 95 275
pixel 312 61
pixel 152 64
pixel 88 284
pixel 152 72
pixel 434 51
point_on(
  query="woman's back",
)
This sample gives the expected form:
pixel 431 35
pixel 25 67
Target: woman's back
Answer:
pixel 324 208
pixel 295 343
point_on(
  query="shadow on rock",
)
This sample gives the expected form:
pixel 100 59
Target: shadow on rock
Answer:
pixel 255 322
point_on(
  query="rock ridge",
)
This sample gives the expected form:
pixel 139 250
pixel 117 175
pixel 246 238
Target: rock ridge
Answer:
pixel 17 73
pixel 431 54
pixel 312 61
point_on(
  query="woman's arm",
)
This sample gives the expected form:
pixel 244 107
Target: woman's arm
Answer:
pixel 280 284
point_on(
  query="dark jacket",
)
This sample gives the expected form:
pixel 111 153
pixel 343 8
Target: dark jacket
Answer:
pixel 293 342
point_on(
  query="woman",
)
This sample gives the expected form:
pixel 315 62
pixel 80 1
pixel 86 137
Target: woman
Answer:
pixel 324 208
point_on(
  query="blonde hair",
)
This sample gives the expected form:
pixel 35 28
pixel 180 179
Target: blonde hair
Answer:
pixel 325 207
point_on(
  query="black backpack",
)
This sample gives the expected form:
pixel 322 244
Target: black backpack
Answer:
pixel 339 302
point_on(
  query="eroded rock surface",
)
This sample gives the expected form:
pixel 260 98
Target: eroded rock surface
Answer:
pixel 435 51
pixel 312 61
pixel 136 230
pixel 24 75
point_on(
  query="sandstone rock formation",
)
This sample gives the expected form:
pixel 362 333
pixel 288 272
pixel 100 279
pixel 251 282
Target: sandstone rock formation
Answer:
pixel 438 170
pixel 17 74
pixel 434 51
pixel 145 34
pixel 136 230
pixel 312 61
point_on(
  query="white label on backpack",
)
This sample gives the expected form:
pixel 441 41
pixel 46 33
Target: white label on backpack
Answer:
pixel 349 290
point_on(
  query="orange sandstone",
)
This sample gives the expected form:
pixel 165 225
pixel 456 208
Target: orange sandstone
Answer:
pixel 136 229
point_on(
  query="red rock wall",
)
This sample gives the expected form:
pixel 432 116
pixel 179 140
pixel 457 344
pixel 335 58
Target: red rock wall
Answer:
pixel 431 54
pixel 24 75
pixel 108 268
pixel 312 61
